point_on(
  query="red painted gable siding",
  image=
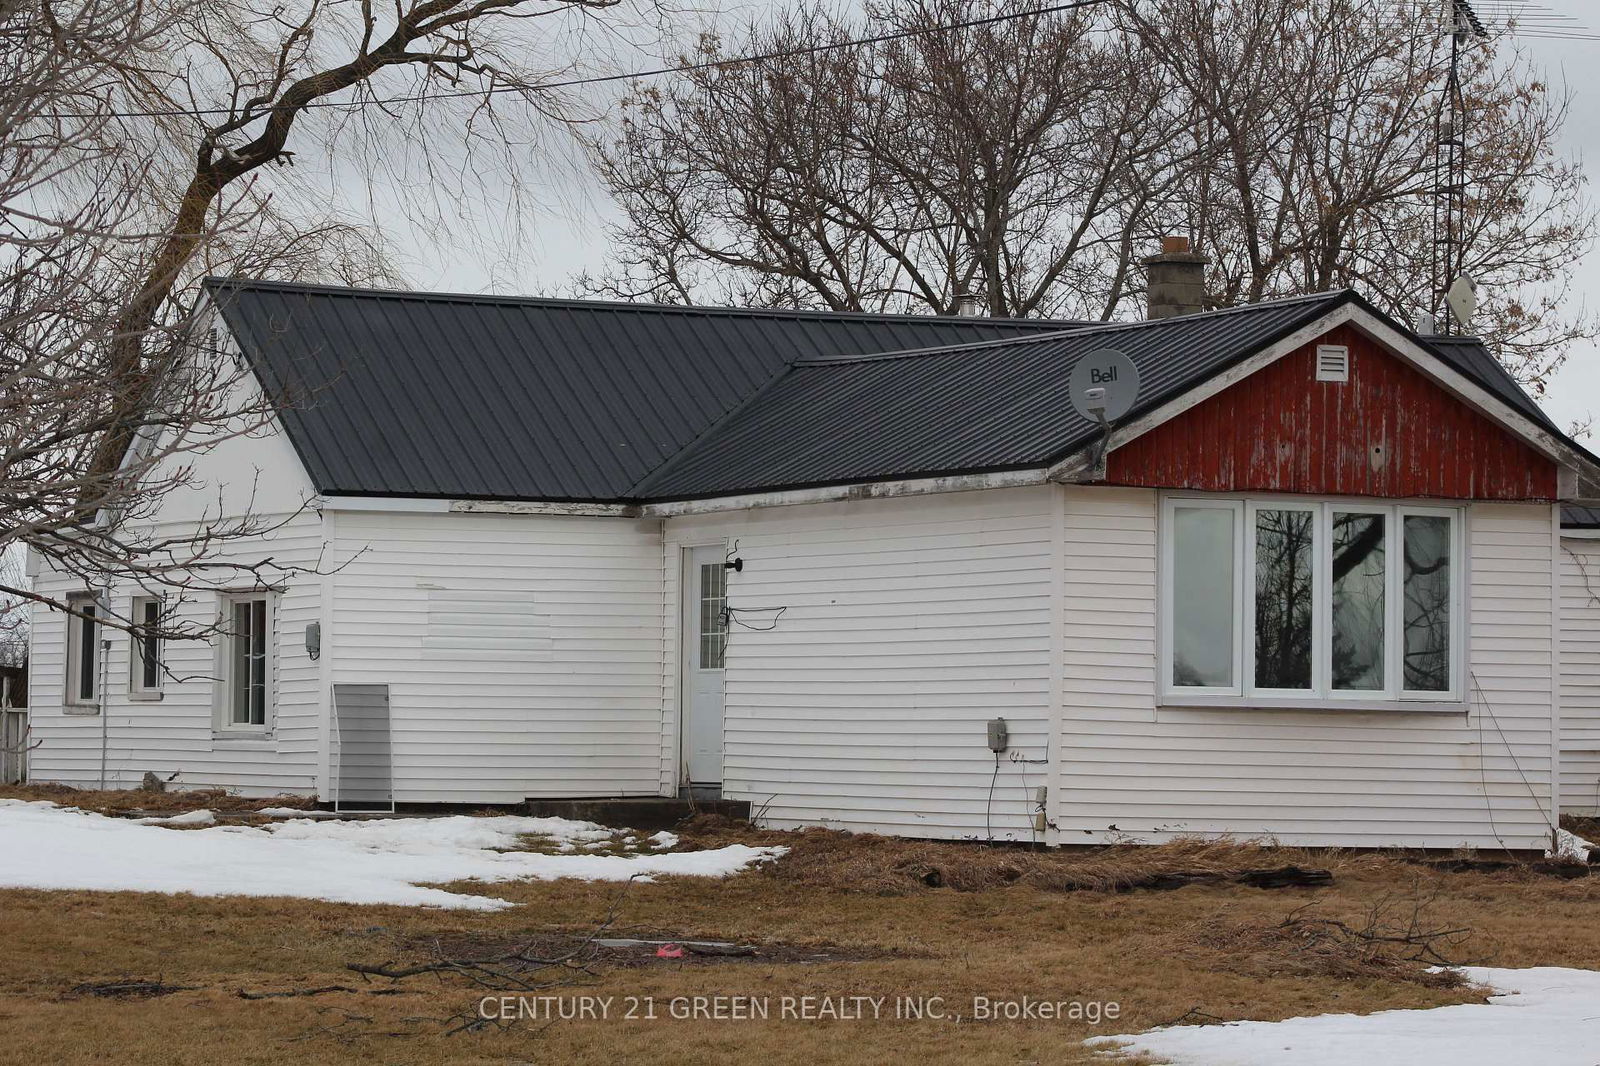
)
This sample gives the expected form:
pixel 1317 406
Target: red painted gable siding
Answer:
pixel 1389 431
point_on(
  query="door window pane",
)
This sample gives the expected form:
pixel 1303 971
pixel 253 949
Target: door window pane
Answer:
pixel 1202 601
pixel 1358 601
pixel 1427 603
pixel 1283 598
pixel 713 616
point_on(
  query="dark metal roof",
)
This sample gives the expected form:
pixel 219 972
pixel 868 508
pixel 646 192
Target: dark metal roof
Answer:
pixel 1580 517
pixel 1000 405
pixel 422 394
pixel 1471 357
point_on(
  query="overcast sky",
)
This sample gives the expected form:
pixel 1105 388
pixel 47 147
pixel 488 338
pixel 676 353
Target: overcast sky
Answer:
pixel 564 234
pixel 1575 392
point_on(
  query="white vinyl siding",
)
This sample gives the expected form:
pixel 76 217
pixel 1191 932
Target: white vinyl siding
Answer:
pixel 177 734
pixel 522 652
pixel 908 624
pixel 1580 676
pixel 1130 767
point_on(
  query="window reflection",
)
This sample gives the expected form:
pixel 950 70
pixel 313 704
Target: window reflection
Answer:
pixel 1283 598
pixel 1427 603
pixel 1358 601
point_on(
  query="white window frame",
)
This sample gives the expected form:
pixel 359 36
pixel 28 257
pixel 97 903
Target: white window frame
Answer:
pixel 137 689
pixel 1247 579
pixel 1325 609
pixel 72 691
pixel 1458 599
pixel 1245 692
pixel 224 711
pixel 1168 549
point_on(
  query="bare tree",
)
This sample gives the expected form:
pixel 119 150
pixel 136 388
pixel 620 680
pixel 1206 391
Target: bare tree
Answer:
pixel 1311 131
pixel 1027 160
pixel 144 143
pixel 14 618
pixel 1007 160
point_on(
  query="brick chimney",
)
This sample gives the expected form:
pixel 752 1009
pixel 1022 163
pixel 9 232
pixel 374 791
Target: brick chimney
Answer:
pixel 1175 280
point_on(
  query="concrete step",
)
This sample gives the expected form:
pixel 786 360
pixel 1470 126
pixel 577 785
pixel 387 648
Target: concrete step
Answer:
pixel 638 812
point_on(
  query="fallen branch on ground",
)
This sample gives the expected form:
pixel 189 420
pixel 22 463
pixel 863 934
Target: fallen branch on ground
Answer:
pixel 322 991
pixel 1395 927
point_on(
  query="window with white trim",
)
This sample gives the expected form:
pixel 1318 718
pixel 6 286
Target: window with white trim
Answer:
pixel 83 650
pixel 246 675
pixel 1280 599
pixel 144 650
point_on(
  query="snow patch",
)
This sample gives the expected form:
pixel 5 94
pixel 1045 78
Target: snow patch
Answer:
pixel 663 839
pixel 200 817
pixel 1545 1015
pixel 369 861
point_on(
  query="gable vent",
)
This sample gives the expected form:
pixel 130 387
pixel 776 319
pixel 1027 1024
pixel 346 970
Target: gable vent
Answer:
pixel 1333 362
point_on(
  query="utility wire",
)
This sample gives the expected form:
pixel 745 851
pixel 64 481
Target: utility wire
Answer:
pixel 605 79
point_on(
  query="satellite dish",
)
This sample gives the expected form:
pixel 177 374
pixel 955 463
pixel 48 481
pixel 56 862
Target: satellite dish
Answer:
pixel 1104 385
pixel 1462 296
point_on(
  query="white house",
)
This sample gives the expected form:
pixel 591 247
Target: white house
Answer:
pixel 1580 661
pixel 553 549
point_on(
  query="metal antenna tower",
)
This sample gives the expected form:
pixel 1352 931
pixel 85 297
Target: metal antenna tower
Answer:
pixel 1449 161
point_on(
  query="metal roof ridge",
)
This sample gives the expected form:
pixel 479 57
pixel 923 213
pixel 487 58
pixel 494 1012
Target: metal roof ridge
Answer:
pixel 218 281
pixel 1097 327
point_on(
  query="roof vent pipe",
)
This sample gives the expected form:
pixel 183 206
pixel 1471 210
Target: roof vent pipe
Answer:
pixel 1175 280
pixel 967 305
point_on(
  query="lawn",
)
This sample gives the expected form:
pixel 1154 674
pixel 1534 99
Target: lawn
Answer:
pixel 845 920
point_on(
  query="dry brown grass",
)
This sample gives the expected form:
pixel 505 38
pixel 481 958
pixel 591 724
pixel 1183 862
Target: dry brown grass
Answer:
pixel 1587 828
pixel 1220 949
pixel 1394 941
pixel 890 866
pixel 125 801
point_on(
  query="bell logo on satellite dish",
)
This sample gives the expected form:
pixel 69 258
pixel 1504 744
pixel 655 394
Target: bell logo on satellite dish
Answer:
pixel 1103 387
pixel 1462 296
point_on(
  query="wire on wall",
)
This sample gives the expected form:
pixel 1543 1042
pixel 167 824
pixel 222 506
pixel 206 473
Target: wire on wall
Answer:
pixel 988 806
pixel 1487 710
pixel 731 617
pixel 1035 805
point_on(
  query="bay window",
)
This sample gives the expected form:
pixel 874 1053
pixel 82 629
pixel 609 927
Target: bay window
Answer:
pixel 1283 599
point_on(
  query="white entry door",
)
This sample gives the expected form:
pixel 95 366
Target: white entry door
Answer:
pixel 705 636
